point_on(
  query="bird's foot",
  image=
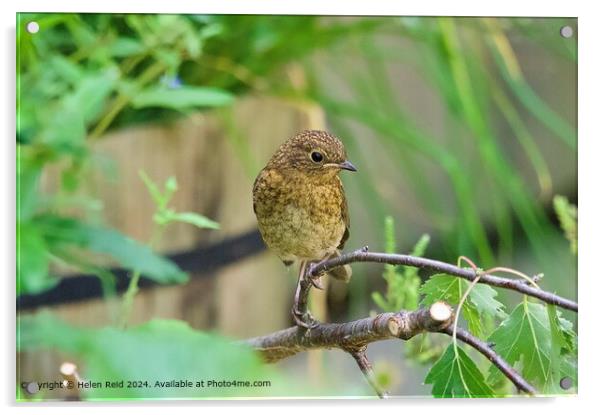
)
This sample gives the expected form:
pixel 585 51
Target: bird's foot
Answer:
pixel 317 280
pixel 304 320
pixel 301 315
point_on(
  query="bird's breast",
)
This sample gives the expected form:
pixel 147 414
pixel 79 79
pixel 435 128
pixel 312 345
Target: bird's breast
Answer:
pixel 298 219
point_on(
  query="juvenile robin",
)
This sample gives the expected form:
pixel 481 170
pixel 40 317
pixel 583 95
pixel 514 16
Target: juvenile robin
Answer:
pixel 300 204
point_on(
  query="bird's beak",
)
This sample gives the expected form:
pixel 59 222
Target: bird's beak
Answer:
pixel 347 165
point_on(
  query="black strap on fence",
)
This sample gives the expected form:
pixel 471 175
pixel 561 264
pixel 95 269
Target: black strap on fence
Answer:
pixel 201 262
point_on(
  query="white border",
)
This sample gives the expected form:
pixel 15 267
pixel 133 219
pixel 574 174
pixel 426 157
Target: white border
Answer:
pixel 350 7
pixel 590 95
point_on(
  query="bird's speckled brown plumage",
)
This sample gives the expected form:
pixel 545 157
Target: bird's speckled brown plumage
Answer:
pixel 299 203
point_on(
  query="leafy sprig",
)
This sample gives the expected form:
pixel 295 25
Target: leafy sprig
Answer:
pixel 163 216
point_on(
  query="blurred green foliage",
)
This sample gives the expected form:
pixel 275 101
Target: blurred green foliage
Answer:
pixel 567 216
pixel 82 75
pixel 402 281
pixel 465 177
pixel 165 214
pixel 403 293
pixel 157 351
pixel 62 237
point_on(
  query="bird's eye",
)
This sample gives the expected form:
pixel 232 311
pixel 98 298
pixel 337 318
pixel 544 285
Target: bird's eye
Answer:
pixel 316 156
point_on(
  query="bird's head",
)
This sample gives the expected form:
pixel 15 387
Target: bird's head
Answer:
pixel 313 153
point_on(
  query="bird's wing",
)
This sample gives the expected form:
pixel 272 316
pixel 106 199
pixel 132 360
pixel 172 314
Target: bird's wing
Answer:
pixel 344 216
pixel 255 190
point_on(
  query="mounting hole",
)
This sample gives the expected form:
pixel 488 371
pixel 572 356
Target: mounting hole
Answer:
pixel 566 32
pixel 566 383
pixel 33 27
pixel 32 387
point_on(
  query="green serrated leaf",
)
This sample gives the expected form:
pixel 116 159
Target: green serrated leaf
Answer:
pixel 480 303
pixel 483 298
pixel 562 356
pixel 570 337
pixel 450 289
pixel 557 341
pixel 441 287
pixel 526 338
pixel 455 375
pixel 473 318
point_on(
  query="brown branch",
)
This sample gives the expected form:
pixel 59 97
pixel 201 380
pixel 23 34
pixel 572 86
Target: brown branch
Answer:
pixel 353 337
pixel 362 255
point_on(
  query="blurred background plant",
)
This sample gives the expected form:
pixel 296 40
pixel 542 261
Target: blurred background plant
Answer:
pixel 462 128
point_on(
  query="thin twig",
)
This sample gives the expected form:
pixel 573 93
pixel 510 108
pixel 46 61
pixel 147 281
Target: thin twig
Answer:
pixel 483 348
pixel 362 255
pixel 463 299
pixel 366 368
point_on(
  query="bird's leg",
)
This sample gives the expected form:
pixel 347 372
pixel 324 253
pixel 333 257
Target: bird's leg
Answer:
pixel 301 314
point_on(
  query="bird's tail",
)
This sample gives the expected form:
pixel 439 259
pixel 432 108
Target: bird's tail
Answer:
pixel 342 272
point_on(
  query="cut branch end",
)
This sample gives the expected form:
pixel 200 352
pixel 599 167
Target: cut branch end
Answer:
pixel 441 311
